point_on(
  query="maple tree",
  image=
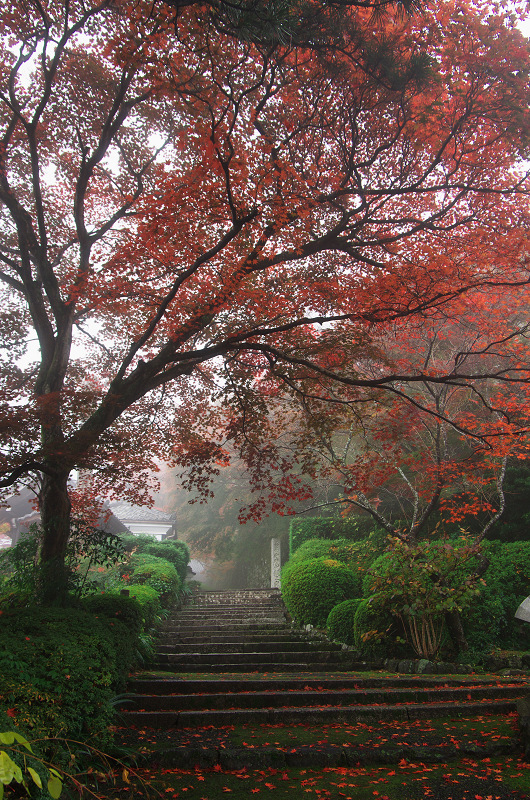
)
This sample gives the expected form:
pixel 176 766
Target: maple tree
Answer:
pixel 432 454
pixel 192 221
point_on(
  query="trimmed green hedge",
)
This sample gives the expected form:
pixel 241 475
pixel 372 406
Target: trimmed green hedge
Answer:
pixel 147 597
pixel 303 528
pixel 341 621
pixel 375 631
pixel 157 573
pixel 312 588
pixel 358 556
pixel 490 621
pixel 174 551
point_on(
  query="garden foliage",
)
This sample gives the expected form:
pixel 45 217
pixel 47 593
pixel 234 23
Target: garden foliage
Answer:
pixel 302 529
pixel 312 588
pixel 340 622
pixel 408 591
pixel 60 668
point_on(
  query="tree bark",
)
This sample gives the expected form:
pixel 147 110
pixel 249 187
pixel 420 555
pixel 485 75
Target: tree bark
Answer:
pixel 456 631
pixel 55 511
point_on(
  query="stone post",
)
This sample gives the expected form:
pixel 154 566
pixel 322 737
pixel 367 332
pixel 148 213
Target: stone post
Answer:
pixel 276 564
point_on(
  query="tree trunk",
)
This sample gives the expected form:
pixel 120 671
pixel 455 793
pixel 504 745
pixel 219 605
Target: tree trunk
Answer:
pixel 55 511
pixel 456 631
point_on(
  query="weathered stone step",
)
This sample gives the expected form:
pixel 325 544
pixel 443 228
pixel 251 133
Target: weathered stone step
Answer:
pixel 276 658
pixel 239 597
pixel 300 666
pixel 244 646
pixel 276 699
pixel 213 685
pixel 272 605
pixel 314 715
pixel 252 618
pixel 229 638
pixel 219 627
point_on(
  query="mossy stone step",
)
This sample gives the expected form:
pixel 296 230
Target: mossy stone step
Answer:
pixel 313 714
pixel 243 646
pixel 230 638
pixel 168 684
pixel 274 657
pixel 276 699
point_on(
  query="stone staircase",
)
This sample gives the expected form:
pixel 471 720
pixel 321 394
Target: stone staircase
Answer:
pixel 245 631
pixel 285 677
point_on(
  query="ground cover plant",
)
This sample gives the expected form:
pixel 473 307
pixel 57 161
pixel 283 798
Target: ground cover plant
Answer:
pixel 386 736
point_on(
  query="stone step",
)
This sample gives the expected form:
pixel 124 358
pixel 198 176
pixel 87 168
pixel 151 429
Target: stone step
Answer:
pixel 313 715
pixel 244 646
pixel 238 597
pixel 253 617
pixel 229 638
pixel 275 658
pixel 260 667
pixel 209 609
pixel 307 698
pixel 218 626
pixel 360 682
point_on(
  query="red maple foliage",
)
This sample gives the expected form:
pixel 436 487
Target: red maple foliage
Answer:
pixel 194 221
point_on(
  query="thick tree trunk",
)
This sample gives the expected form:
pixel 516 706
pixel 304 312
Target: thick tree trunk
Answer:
pixel 456 631
pixel 55 511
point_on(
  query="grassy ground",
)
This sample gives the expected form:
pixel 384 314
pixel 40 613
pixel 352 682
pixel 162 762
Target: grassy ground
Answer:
pixel 466 779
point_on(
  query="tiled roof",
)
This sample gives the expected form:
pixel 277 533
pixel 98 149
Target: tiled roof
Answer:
pixel 129 513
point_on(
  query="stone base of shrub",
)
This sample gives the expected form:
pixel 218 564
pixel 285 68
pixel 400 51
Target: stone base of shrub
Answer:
pixel 507 660
pixel 421 666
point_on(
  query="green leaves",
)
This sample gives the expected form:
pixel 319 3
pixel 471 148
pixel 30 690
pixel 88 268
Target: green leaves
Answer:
pixel 420 583
pixel 10 771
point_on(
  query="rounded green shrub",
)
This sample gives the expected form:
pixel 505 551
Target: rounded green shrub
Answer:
pixel 374 630
pixel 490 621
pixel 157 573
pixel 358 556
pixel 136 542
pixel 147 597
pixel 340 622
pixel 177 553
pixel 312 588
pixel 114 606
pixel 125 620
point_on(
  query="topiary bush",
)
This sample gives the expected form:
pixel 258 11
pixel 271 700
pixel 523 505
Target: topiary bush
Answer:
pixel 490 622
pixel 312 588
pixel 148 598
pixel 177 553
pixel 358 556
pixel 341 621
pixel 374 631
pixel 125 621
pixel 116 606
pixel 157 573
pixel 302 529
pixel 136 542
